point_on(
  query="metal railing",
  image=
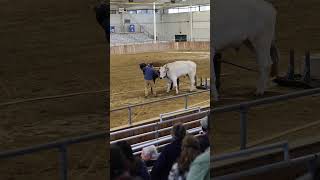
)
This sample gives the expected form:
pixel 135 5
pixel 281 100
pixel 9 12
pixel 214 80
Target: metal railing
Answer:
pixel 280 145
pixel 61 145
pixel 311 160
pixel 244 107
pixel 179 111
pixel 129 107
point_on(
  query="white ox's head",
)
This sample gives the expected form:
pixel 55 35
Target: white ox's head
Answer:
pixel 163 71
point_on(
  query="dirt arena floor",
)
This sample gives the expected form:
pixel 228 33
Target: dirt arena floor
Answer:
pixel 296 29
pixel 51 48
pixel 127 85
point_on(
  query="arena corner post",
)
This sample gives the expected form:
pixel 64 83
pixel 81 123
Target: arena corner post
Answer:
pixel 291 65
pixel 129 115
pixel 307 74
pixel 186 102
pixel 243 127
pixel 63 162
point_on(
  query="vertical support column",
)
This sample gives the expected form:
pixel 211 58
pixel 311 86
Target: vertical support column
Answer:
pixel 186 102
pixel 129 115
pixel 191 21
pixel 286 152
pixel 63 163
pixel 312 167
pixel 196 81
pixel 291 65
pixel 154 23
pixel 217 69
pixel 243 128
pixel 307 75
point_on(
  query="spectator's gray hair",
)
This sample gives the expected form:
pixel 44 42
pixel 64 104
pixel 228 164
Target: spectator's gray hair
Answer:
pixel 204 123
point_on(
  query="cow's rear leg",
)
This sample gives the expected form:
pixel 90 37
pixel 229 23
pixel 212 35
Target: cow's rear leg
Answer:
pixel 175 85
pixel 169 85
pixel 192 81
pixel 264 62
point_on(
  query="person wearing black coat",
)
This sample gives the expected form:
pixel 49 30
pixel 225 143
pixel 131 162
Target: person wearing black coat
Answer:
pixel 103 15
pixel 136 166
pixel 169 154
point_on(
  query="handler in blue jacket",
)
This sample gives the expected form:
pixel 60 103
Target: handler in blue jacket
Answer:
pixel 149 73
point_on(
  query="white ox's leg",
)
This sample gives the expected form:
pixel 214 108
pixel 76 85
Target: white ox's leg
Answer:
pixel 168 85
pixel 262 47
pixel 192 77
pixel 175 85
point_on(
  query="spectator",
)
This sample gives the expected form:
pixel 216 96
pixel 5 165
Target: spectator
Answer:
pixel 200 167
pixel 149 74
pixel 169 154
pixel 136 166
pixel 149 155
pixel 118 169
pixel 190 150
pixel 204 137
pixel 103 15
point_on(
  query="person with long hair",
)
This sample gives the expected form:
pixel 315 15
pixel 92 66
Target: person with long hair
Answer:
pixel 169 154
pixel 190 150
pixel 135 165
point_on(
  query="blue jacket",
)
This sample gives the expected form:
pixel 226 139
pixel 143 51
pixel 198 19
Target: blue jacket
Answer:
pixel 149 73
pixel 169 155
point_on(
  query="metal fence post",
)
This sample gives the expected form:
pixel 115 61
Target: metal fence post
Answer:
pixel 186 102
pixel 63 162
pixel 312 167
pixel 307 75
pixel 286 152
pixel 291 65
pixel 243 127
pixel 129 115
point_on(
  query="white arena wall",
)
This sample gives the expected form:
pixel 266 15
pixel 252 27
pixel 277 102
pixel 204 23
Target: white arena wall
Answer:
pixel 158 47
pixel 168 25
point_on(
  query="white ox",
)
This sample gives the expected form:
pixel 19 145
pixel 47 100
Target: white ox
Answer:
pixel 172 71
pixel 249 22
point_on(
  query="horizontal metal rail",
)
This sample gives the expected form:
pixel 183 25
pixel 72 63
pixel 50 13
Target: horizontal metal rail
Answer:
pixel 191 122
pixel 162 145
pixel 159 100
pixel 163 139
pixel 61 145
pixel 179 111
pixel 265 101
pixel 29 100
pixel 310 159
pixel 129 107
pixel 244 107
pixel 203 113
pixel 283 145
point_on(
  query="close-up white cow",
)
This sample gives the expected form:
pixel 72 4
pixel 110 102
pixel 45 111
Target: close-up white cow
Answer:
pixel 248 22
pixel 172 71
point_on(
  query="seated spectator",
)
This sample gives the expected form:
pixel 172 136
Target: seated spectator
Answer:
pixel 204 137
pixel 136 166
pixel 190 150
pixel 200 167
pixel 169 154
pixel 149 155
pixel 118 169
